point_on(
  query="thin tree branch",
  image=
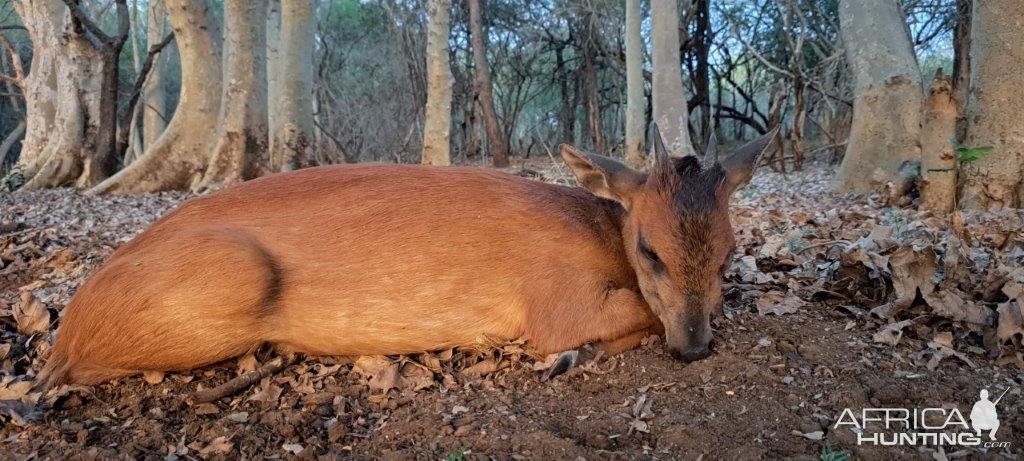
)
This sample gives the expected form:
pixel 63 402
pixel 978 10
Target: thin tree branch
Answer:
pixel 19 70
pixel 81 18
pixel 140 81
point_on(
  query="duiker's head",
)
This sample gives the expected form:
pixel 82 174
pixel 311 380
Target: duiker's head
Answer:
pixel 676 230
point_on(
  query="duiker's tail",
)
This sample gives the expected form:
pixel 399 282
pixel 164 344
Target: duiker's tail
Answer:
pixel 54 373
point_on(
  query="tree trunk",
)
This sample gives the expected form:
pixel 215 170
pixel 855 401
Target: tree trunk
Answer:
pixel 180 155
pixel 938 164
pixel 292 138
pixel 594 122
pixel 81 139
pixel 495 139
pixel 135 146
pixel 962 63
pixel 669 102
pixel 635 101
pixel 66 158
pixel 993 107
pixel 567 113
pixel 702 38
pixel 273 64
pixel 43 21
pixel 242 135
pixel 438 112
pixel 154 99
pixel 887 96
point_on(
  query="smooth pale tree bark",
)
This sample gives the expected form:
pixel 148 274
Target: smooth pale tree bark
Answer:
pixel 292 107
pixel 44 22
pixel 938 162
pixel 242 135
pixel 101 140
pixel 887 94
pixel 273 63
pixel 135 146
pixel 635 101
pixel 478 41
pixel 77 148
pixel 668 99
pixel 154 99
pixel 438 113
pixel 178 158
pixel 994 106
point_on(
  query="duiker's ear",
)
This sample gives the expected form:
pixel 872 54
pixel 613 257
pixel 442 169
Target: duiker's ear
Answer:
pixel 739 167
pixel 602 176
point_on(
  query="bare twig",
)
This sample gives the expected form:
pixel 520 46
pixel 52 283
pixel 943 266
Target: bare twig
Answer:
pixel 240 383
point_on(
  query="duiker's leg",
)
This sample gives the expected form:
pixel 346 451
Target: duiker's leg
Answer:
pixel 617 314
pixel 573 357
pixel 172 304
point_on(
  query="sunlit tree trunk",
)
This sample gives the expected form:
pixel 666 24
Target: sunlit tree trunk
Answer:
pixel 79 149
pixel 438 113
pixel 669 101
pixel 44 21
pixel 495 138
pixel 242 135
pixel 994 106
pixel 938 164
pixel 887 95
pixel 135 146
pixel 635 101
pixel 154 99
pixel 273 64
pixel 291 140
pixel 179 157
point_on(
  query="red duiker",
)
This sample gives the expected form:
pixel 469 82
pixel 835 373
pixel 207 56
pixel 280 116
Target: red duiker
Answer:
pixel 394 259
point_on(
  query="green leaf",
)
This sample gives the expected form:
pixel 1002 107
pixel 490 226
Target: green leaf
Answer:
pixel 831 454
pixel 967 155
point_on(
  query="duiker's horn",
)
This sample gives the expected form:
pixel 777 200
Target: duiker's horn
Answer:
pixel 663 171
pixel 711 153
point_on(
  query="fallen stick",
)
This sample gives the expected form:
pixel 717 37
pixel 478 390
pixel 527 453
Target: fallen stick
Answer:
pixel 240 383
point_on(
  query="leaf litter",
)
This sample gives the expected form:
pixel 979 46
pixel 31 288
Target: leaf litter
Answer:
pixel 930 289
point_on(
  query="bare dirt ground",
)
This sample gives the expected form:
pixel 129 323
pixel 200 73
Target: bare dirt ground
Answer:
pixel 833 303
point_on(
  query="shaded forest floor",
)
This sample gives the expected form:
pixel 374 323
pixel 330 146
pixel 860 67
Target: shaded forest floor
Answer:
pixel 832 303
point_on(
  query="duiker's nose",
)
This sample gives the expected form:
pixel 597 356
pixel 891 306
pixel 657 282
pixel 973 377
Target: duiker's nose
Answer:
pixel 693 354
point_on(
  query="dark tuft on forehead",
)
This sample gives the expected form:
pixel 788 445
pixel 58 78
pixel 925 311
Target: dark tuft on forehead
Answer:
pixel 697 186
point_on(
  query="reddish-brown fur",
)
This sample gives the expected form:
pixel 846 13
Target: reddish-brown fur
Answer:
pixel 367 259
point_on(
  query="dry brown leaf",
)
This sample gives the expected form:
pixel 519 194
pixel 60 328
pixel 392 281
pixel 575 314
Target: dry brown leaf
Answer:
pixel 31 316
pixel 890 334
pixel 246 363
pixel 482 368
pixel 220 445
pixel 775 302
pixel 912 271
pixel 416 376
pixel 153 377
pixel 954 306
pixel 382 374
pixel 268 393
pixel 15 390
pixel 1011 321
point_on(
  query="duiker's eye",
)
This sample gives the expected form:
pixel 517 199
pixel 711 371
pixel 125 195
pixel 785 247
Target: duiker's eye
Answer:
pixel 651 256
